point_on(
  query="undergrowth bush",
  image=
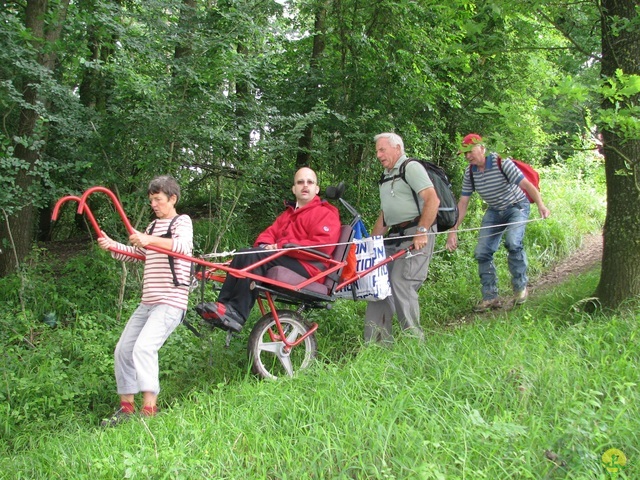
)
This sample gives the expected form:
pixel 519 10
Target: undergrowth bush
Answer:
pixel 49 372
pixel 55 376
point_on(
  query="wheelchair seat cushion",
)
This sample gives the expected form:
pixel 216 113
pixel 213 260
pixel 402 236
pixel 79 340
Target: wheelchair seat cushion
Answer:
pixel 284 275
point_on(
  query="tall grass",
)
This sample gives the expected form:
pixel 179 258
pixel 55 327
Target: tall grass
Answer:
pixel 574 192
pixel 480 398
pixel 494 398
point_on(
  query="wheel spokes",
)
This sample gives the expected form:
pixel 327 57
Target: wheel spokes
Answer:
pixel 268 346
pixel 292 333
pixel 286 363
pixel 272 347
pixel 296 331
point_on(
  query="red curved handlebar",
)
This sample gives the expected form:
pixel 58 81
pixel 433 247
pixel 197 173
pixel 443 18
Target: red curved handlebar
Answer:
pixel 83 208
pixel 116 203
pixel 118 206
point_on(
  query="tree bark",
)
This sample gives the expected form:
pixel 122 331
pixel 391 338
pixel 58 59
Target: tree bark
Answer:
pixel 620 276
pixel 18 229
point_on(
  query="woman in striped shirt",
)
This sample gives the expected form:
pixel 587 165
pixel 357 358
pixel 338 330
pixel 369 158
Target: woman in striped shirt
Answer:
pixel 165 291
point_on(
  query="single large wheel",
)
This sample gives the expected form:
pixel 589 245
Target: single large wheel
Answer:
pixel 268 354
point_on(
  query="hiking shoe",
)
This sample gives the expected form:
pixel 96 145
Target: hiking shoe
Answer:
pixel 117 418
pixel 521 296
pixel 486 305
pixel 221 316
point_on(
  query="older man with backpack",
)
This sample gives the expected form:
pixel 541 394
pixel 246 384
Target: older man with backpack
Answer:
pixel 408 221
pixel 508 194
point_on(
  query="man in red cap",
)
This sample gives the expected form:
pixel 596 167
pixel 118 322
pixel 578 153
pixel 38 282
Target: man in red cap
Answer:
pixel 508 212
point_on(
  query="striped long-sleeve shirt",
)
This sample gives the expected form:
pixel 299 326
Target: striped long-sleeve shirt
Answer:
pixel 158 286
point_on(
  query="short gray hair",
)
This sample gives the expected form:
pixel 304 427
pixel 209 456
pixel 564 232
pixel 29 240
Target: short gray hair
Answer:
pixel 164 184
pixel 393 138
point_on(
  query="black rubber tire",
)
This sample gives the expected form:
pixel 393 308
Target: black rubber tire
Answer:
pixel 268 358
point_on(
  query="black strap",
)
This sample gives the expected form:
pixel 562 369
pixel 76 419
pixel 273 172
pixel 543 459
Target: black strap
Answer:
pixel 190 326
pixel 403 169
pixel 401 175
pixel 399 228
pixel 172 265
pixel 499 162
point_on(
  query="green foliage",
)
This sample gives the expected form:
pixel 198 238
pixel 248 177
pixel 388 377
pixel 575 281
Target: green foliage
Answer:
pixel 59 328
pixel 60 132
pixel 220 95
pixel 50 374
pixel 574 192
pixel 34 287
pixel 623 114
pixel 545 384
pixel 534 388
pixel 91 284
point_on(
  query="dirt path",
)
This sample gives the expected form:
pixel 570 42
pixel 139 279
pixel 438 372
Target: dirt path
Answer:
pixel 582 260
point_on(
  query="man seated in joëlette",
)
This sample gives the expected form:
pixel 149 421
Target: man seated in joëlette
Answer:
pixel 307 222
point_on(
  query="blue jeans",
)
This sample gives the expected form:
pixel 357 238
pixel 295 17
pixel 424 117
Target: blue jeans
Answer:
pixel 493 229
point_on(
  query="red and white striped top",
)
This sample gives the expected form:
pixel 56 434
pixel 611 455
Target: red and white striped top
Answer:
pixel 157 284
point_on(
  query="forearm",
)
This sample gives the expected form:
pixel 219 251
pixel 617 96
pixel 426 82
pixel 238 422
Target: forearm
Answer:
pixel 379 227
pixel 463 205
pixel 160 242
pixel 462 212
pixel 428 216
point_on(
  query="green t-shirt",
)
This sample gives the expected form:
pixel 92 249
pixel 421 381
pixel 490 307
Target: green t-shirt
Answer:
pixel 396 199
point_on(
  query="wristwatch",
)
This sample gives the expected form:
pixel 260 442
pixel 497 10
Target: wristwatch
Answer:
pixel 422 229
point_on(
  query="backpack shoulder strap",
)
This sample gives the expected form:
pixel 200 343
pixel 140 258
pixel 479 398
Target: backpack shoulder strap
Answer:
pixel 384 179
pixel 173 220
pixel 166 235
pixel 499 162
pixel 473 183
pixel 172 265
pixel 403 169
pixel 401 173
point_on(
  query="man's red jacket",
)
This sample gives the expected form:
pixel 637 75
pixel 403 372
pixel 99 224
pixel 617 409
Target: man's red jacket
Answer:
pixel 316 223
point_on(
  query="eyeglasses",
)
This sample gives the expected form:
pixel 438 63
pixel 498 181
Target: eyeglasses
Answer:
pixel 305 182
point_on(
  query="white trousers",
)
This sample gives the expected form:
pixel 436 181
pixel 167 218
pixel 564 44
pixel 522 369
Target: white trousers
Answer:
pixel 136 354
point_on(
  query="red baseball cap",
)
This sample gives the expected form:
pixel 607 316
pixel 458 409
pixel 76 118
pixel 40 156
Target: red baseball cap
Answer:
pixel 472 139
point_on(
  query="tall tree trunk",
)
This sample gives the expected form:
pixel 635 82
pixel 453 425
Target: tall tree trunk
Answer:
pixel 305 143
pixel 620 277
pixel 183 47
pixel 18 229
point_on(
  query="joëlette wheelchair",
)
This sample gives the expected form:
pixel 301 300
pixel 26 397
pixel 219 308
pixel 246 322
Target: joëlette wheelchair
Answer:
pixel 282 341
